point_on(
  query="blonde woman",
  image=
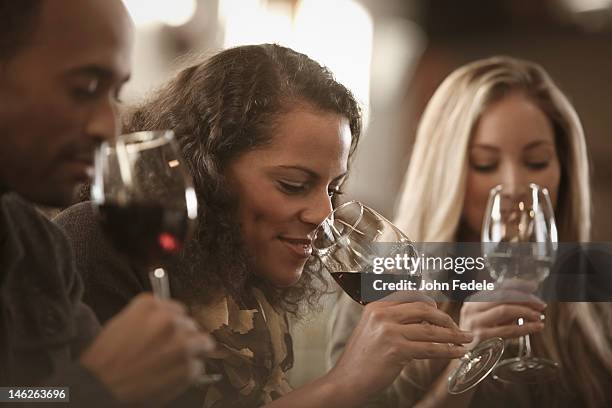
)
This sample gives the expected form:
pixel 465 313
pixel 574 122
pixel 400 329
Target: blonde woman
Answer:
pixel 500 121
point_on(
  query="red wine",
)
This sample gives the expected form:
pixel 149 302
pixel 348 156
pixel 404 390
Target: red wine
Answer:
pixel 361 286
pixel 350 282
pixel 147 234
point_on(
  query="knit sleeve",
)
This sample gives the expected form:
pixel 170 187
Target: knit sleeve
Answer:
pixel 109 280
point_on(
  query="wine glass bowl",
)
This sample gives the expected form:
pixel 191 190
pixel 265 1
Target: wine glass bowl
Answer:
pixel 144 196
pixel 350 239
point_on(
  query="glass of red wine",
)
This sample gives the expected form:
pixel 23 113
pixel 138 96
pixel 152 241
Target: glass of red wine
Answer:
pixel 348 243
pixel 349 240
pixel 146 203
pixel 144 197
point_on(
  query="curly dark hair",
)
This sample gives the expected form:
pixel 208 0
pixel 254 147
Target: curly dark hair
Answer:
pixel 219 109
pixel 18 17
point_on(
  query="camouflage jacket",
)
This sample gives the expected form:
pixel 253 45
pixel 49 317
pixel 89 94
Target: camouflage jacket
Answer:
pixel 256 352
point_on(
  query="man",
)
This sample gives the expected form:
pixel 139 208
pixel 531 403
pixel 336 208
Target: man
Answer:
pixel 62 65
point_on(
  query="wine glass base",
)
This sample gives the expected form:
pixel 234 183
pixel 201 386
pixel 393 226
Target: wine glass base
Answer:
pixel 476 365
pixel 526 370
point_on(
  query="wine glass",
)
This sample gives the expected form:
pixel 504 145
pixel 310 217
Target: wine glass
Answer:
pixel 349 241
pixel 519 237
pixel 146 203
pixel 144 198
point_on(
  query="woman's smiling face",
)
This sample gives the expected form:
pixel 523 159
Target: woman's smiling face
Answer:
pixel 285 188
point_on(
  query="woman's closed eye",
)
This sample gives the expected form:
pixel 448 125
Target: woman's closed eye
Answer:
pixel 537 165
pixel 538 157
pixel 292 187
pixel 484 167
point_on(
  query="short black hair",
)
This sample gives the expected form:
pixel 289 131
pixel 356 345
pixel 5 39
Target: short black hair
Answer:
pixel 16 20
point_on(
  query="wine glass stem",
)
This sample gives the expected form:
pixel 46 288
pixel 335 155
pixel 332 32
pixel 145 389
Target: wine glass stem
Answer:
pixel 161 289
pixel 524 344
pixel 159 283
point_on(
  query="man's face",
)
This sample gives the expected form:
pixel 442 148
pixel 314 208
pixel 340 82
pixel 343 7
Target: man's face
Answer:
pixel 58 97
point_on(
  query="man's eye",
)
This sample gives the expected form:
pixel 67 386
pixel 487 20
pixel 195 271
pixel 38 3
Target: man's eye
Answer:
pixel 86 90
pixel 82 94
pixel 292 188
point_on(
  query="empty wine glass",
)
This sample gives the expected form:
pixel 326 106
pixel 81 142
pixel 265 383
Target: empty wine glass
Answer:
pixel 519 237
pixel 347 243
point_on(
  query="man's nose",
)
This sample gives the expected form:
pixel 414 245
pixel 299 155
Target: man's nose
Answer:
pixel 103 122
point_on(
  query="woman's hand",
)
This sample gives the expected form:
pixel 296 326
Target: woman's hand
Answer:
pixel 495 315
pixel 389 335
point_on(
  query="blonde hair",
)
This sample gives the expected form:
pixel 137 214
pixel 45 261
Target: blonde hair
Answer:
pixel 437 172
pixel 437 177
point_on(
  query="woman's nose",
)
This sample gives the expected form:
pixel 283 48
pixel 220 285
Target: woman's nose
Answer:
pixel 319 207
pixel 514 182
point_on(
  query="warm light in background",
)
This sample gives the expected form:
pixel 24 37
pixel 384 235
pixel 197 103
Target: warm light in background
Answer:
pixel 338 34
pixel 151 12
pixel 583 6
pixel 254 21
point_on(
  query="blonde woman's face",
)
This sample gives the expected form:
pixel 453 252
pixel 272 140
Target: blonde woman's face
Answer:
pixel 513 145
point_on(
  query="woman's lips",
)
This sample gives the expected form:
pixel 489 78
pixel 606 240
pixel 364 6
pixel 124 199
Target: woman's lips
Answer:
pixel 301 248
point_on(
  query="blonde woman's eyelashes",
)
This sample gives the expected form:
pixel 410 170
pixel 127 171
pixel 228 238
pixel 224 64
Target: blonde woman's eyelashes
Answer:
pixel 538 165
